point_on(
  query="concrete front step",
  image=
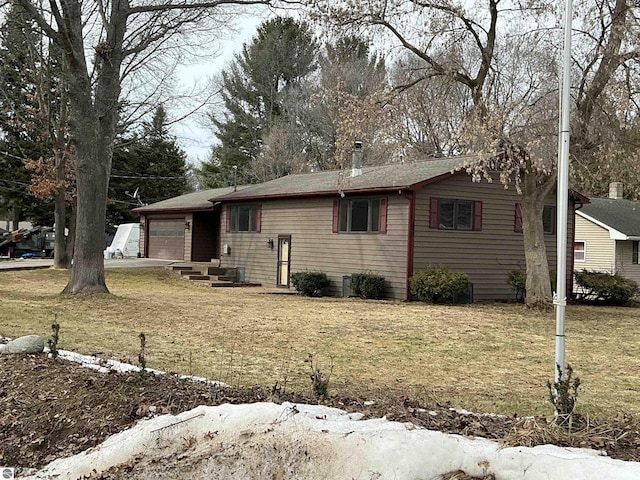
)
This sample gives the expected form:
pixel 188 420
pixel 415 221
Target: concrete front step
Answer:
pixel 211 275
pixel 197 277
pixel 220 283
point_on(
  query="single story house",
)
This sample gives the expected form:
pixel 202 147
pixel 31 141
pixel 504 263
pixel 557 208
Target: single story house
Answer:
pixel 608 235
pixel 392 220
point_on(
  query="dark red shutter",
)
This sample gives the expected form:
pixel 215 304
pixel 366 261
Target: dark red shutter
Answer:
pixel 517 226
pixel 258 218
pixel 477 215
pixel 434 212
pixel 228 219
pixel 335 216
pixel 382 227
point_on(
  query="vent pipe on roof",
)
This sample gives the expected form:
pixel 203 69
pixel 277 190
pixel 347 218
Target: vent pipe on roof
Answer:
pixel 616 190
pixel 357 159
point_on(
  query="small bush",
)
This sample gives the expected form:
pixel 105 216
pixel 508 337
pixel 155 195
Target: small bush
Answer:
pixel 518 283
pixel 439 285
pixel 367 285
pixel 311 284
pixel 563 394
pixel 606 288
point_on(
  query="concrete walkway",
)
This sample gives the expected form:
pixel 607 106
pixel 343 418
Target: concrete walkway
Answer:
pixel 36 263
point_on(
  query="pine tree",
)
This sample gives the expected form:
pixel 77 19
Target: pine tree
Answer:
pixel 152 164
pixel 21 124
pixel 278 58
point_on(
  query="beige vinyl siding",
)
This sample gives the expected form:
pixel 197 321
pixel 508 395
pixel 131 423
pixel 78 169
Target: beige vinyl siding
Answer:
pixel 487 256
pixel 315 247
pixel 624 263
pixel 599 246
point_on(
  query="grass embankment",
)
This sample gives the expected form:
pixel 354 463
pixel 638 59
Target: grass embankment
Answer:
pixel 485 358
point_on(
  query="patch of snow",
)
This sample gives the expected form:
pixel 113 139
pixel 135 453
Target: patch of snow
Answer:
pixel 316 442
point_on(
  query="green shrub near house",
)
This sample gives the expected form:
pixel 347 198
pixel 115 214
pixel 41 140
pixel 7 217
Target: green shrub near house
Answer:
pixel 517 281
pixel 606 288
pixel 439 285
pixel 311 284
pixel 367 285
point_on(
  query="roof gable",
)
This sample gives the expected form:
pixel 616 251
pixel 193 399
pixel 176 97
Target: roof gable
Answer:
pixel 620 215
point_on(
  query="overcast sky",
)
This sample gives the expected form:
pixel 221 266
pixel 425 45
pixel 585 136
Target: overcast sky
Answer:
pixel 192 133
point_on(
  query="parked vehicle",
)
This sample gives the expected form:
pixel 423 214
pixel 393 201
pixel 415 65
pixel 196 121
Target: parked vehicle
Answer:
pixel 34 242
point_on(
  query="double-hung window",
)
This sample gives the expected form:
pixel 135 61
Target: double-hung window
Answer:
pixel 579 251
pixel 243 218
pixel 548 219
pixel 360 215
pixel 455 214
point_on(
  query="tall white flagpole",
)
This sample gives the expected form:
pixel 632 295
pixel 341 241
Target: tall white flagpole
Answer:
pixel 560 298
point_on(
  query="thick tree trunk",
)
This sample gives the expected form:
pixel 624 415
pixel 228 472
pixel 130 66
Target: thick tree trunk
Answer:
pixel 15 220
pixel 94 115
pixel 92 176
pixel 538 286
pixel 61 256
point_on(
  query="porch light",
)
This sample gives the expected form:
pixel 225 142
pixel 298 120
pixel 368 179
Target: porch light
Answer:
pixel 270 244
pixel 187 225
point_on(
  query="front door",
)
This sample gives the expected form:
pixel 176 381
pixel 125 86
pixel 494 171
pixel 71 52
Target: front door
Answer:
pixel 284 256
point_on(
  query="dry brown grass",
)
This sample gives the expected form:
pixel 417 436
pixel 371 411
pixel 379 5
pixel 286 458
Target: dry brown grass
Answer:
pixel 492 357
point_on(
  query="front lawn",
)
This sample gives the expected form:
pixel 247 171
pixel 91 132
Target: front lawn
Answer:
pixel 485 357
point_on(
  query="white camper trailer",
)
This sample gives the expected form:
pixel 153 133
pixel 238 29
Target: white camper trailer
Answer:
pixel 126 242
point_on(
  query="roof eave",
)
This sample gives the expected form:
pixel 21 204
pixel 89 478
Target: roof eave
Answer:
pixel 144 210
pixel 329 193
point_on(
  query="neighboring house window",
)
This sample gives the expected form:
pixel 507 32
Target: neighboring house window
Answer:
pixel 548 219
pixel 579 251
pixel 360 215
pixel 634 259
pixel 244 218
pixel 455 214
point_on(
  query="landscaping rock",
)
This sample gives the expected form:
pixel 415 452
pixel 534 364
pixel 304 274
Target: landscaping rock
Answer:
pixel 26 344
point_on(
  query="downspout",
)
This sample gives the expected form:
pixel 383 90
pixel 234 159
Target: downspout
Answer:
pixel 411 196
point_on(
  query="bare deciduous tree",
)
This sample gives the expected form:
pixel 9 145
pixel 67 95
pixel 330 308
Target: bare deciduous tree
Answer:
pixel 105 43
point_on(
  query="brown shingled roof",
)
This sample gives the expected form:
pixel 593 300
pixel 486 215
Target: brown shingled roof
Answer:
pixel 200 200
pixel 400 176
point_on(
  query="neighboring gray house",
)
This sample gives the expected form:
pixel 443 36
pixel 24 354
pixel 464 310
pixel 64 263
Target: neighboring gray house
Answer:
pixel 608 235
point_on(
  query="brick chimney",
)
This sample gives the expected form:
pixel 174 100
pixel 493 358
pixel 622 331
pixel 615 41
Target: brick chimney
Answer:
pixel 357 159
pixel 615 190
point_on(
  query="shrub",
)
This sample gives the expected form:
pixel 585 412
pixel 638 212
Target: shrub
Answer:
pixel 606 288
pixel 563 394
pixel 367 285
pixel 439 285
pixel 311 284
pixel 517 282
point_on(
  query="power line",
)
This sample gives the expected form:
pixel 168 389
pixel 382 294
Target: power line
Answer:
pixel 145 177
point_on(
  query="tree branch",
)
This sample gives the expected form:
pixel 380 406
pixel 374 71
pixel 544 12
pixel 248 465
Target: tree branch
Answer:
pixel 197 5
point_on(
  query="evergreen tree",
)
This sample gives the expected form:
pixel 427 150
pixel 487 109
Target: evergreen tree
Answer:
pixel 23 133
pixel 278 58
pixel 151 164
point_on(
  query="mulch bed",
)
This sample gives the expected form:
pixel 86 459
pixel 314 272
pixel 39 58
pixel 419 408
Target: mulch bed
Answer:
pixel 56 408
